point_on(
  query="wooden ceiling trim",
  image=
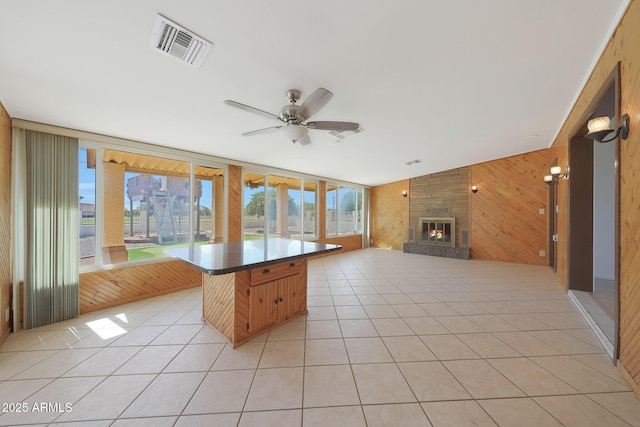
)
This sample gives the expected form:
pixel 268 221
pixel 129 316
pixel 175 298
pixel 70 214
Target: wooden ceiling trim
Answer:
pixel 144 164
pixel 254 180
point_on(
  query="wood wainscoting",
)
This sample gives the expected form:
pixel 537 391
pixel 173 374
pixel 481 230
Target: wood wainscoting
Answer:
pixel 349 243
pixel 109 288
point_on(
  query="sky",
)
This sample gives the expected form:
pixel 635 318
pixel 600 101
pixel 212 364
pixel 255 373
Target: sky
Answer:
pixel 87 178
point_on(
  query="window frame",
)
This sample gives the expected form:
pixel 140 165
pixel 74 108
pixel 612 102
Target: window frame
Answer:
pixel 358 196
pixel 267 217
pixel 99 262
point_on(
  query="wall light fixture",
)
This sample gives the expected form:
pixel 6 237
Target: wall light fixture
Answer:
pixel 600 128
pixel 555 174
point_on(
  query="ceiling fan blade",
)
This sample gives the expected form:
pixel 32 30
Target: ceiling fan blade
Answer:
pixel 337 126
pixel 314 102
pixel 263 130
pixel 305 141
pixel 251 109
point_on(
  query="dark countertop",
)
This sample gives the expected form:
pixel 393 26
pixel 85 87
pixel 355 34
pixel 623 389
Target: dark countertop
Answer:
pixel 223 258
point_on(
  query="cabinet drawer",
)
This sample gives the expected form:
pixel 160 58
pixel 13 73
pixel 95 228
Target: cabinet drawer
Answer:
pixel 276 271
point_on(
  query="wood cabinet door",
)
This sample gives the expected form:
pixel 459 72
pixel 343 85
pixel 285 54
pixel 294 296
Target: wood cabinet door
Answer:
pixel 292 297
pixel 263 309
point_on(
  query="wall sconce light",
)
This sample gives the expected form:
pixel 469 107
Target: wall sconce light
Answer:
pixel 600 127
pixel 474 189
pixel 556 174
pixel 404 193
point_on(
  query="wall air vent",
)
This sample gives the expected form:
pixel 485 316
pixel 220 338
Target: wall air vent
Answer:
pixel 171 39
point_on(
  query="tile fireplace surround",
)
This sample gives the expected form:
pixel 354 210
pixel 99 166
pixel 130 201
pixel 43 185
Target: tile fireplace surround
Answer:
pixel 390 339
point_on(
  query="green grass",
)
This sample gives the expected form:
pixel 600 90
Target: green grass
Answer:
pixel 152 252
pixel 254 237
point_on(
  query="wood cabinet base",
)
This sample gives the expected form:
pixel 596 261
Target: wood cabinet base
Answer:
pixel 246 303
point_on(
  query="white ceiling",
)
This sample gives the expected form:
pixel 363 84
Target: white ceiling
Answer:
pixel 451 83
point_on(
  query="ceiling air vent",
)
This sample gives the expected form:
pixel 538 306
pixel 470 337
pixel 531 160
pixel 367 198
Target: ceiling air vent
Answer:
pixel 171 39
pixel 340 136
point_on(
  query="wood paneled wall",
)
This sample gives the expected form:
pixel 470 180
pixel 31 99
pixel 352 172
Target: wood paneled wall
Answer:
pixel 109 288
pixel 322 209
pixel 5 221
pixel 389 215
pixel 234 231
pixel 503 218
pixel 448 189
pixel 623 47
pixel 506 224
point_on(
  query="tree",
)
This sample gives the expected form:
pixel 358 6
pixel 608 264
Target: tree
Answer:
pixel 348 202
pixel 256 205
pixel 292 207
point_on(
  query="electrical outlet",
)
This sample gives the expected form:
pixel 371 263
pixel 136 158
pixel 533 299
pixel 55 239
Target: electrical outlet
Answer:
pixel 542 253
pixel 541 211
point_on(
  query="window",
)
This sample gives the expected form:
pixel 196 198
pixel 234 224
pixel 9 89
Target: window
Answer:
pixel 87 192
pixel 134 206
pixel 286 208
pixel 254 210
pixel 145 206
pixel 360 211
pixel 344 210
pixel 209 204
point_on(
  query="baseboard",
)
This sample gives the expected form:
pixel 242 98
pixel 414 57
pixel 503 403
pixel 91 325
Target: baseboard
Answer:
pixel 628 378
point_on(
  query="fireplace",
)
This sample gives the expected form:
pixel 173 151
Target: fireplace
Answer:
pixel 438 231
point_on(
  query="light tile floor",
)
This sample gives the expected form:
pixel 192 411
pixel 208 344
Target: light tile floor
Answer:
pixel 391 339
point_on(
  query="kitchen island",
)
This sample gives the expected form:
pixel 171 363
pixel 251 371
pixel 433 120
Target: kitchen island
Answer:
pixel 252 286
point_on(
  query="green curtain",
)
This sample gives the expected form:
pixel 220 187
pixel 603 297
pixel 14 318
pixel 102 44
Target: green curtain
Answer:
pixel 51 271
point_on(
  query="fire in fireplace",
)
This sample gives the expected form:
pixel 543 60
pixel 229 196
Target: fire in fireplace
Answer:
pixel 437 231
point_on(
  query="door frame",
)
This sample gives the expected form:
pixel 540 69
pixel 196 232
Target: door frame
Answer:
pixel 576 135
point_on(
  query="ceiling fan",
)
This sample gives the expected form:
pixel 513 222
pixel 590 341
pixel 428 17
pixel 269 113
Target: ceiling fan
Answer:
pixel 295 126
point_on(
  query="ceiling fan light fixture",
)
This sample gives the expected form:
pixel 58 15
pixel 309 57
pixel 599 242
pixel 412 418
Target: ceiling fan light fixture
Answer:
pixel 293 132
pixel 292 120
